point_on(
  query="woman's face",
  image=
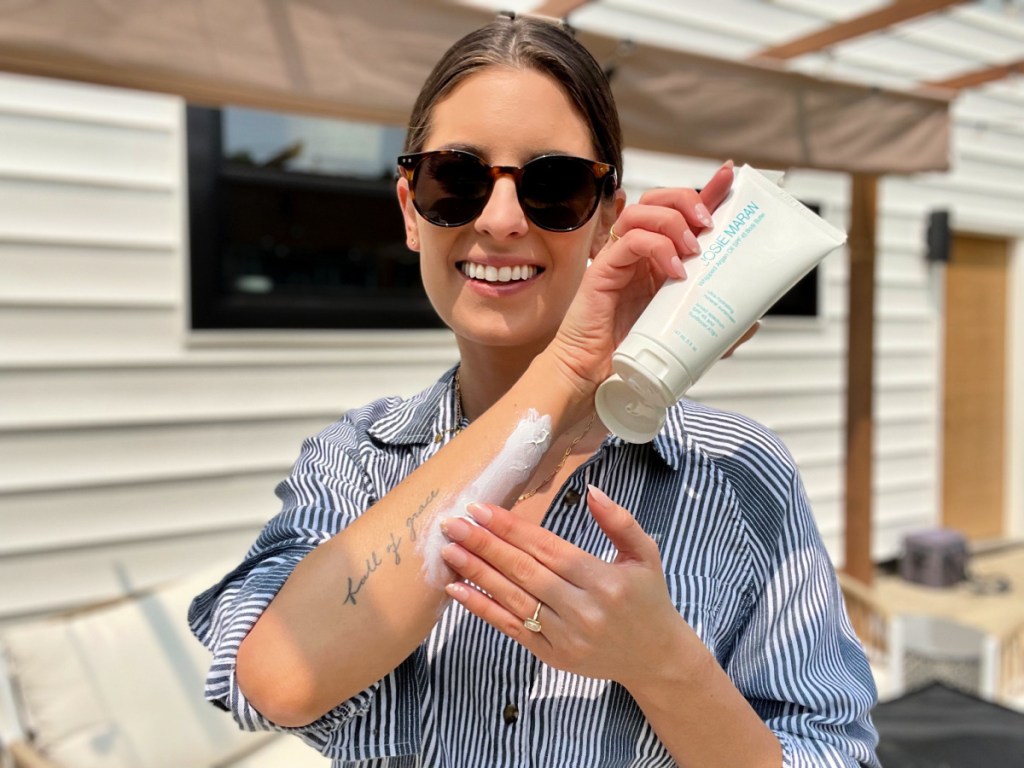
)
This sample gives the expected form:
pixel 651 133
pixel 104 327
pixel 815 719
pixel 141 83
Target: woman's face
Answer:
pixel 506 117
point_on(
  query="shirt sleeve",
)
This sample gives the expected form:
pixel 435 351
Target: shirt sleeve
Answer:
pixel 798 660
pixel 326 491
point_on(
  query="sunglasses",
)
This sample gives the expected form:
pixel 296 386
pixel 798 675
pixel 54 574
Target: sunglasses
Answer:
pixel 558 193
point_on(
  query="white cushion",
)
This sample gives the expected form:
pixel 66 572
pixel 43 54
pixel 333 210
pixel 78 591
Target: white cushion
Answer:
pixel 122 686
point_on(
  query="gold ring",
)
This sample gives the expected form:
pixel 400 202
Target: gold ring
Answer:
pixel 611 234
pixel 532 624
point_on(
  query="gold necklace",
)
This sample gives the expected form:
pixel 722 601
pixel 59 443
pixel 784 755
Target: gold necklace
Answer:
pixel 561 463
pixel 458 428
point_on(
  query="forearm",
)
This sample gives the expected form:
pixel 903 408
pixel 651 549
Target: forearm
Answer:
pixel 360 603
pixel 697 712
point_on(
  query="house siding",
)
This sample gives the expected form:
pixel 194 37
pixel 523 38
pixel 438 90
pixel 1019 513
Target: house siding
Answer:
pixel 133 450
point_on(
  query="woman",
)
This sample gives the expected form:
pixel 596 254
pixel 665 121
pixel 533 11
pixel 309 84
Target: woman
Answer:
pixel 703 629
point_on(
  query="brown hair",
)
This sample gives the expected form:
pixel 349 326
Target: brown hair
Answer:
pixel 527 43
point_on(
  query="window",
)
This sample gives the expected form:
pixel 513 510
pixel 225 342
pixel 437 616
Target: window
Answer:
pixel 294 224
pixel 802 300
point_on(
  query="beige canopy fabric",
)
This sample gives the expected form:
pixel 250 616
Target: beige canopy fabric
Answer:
pixel 366 59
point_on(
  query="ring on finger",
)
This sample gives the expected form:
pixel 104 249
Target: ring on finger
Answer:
pixel 532 624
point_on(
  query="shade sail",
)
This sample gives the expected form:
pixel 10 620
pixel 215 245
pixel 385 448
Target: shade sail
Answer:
pixel 366 59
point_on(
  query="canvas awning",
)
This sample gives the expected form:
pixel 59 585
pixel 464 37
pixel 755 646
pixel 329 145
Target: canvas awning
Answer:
pixel 366 59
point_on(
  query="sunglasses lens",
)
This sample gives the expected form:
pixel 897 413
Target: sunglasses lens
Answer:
pixel 559 193
pixel 451 188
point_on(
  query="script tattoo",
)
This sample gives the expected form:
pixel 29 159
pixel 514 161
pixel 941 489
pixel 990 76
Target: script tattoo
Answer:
pixel 373 562
pixel 393 548
pixel 410 521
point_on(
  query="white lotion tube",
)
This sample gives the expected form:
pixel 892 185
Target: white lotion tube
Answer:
pixel 762 242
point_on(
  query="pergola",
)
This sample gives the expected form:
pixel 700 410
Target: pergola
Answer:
pixel 365 59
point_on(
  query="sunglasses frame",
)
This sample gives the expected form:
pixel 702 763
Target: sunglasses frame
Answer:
pixel 605 176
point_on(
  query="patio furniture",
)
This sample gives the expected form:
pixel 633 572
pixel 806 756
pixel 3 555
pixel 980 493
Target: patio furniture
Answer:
pixel 121 686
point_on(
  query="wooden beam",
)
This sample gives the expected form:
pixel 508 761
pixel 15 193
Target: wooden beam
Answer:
pixel 980 76
pixel 860 378
pixel 558 9
pixel 894 13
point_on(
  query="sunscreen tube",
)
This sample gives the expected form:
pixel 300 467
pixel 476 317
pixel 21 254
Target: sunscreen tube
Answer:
pixel 762 242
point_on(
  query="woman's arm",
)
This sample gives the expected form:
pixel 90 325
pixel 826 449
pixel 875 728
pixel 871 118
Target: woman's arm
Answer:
pixel 359 604
pixel 610 621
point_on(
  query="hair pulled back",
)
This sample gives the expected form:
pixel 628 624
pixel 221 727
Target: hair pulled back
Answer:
pixel 525 42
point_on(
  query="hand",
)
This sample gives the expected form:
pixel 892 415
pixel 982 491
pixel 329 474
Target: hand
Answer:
pixel 652 239
pixel 602 620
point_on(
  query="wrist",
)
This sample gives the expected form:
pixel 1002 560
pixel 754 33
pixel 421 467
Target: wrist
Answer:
pixel 567 396
pixel 680 663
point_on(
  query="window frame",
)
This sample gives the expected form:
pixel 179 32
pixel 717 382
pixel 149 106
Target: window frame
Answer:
pixel 215 309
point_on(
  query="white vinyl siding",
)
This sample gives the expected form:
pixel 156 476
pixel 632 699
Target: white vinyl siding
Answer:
pixel 132 450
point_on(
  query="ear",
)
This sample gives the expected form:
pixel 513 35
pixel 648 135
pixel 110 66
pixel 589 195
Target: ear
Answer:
pixel 412 222
pixel 608 213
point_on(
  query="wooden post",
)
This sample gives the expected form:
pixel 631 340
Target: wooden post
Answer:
pixel 860 377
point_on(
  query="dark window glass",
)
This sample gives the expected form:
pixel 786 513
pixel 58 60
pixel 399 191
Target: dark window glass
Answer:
pixel 294 224
pixel 802 299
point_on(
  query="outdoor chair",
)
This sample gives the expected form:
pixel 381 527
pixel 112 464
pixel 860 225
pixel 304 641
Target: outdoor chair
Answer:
pixel 121 686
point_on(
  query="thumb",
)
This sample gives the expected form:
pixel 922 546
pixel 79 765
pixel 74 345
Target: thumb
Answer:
pixel 620 527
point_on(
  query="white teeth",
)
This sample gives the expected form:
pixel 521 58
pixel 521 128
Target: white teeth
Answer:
pixel 492 274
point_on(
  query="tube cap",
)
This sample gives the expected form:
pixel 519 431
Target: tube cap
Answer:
pixel 627 414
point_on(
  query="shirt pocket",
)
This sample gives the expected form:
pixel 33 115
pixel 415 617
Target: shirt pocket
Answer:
pixel 704 603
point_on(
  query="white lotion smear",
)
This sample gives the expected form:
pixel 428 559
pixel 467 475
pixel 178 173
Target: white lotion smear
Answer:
pixel 762 242
pixel 508 470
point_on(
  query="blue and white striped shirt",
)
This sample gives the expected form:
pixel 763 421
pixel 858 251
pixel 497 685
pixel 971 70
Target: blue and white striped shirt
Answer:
pixel 742 556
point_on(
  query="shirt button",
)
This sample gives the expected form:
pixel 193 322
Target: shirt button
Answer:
pixel 510 714
pixel 572 498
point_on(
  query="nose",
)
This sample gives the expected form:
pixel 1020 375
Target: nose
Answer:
pixel 502 217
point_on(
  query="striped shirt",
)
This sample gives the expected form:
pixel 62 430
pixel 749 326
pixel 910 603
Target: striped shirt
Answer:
pixel 743 560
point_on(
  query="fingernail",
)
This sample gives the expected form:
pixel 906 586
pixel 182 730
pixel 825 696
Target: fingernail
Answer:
pixel 690 241
pixel 599 496
pixel 479 512
pixel 728 163
pixel 454 554
pixel 703 214
pixel 457 591
pixel 678 268
pixel 455 528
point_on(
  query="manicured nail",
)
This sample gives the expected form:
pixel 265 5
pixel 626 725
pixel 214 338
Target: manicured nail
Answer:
pixel 703 214
pixel 728 163
pixel 457 591
pixel 678 268
pixel 479 512
pixel 454 554
pixel 600 496
pixel 690 241
pixel 455 528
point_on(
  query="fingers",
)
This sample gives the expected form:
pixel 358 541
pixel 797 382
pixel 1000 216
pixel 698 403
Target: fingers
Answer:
pixel 501 618
pixel 695 207
pixel 658 233
pixel 519 551
pixel 498 600
pixel 621 528
pixel 715 191
pixel 747 336
pixel 672 214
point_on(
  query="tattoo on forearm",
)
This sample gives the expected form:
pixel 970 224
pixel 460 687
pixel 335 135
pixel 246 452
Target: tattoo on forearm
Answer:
pixel 393 548
pixel 373 562
pixel 413 519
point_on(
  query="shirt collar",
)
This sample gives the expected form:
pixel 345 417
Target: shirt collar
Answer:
pixel 430 417
pixel 424 418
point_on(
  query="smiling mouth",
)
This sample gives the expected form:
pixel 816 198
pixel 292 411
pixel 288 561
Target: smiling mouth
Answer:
pixel 490 274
